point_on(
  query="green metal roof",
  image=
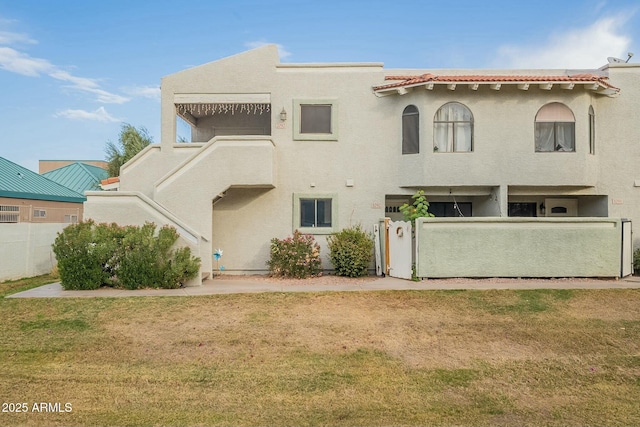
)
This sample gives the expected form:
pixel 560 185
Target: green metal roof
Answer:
pixel 79 177
pixel 20 183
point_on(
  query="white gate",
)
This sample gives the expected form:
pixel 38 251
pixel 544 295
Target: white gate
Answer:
pixel 400 257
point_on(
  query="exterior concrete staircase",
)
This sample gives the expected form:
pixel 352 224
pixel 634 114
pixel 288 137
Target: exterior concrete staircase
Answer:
pixel 183 197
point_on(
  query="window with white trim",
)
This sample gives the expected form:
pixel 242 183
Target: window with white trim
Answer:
pixel 71 219
pixel 9 213
pixel 315 213
pixel 555 128
pixel 453 129
pixel 315 119
pixel 39 213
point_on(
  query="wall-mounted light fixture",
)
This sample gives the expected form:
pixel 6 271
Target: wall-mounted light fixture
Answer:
pixel 283 115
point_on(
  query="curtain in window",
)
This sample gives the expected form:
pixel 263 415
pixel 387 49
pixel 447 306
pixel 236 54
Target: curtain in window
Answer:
pixel 463 137
pixel 545 140
pixel 410 130
pixel 453 128
pixel 555 128
pixel 565 140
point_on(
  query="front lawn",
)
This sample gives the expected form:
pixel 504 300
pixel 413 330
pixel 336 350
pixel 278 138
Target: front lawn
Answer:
pixel 508 358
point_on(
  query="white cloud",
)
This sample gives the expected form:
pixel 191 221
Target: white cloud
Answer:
pixel 18 62
pixel 152 92
pixel 281 50
pixel 100 115
pixel 88 85
pixel 575 48
pixel 7 38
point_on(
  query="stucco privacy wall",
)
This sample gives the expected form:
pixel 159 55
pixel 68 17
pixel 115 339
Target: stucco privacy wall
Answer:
pixel 518 247
pixel 133 208
pixel 25 249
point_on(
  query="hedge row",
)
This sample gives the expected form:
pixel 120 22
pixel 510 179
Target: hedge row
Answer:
pixel 92 255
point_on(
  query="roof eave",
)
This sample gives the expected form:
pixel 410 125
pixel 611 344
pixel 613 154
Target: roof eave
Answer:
pixel 401 89
pixel 43 197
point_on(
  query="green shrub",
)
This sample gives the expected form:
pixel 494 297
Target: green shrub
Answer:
pixel 351 251
pixel 83 256
pixel 147 260
pixel 91 255
pixel 297 256
pixel 636 262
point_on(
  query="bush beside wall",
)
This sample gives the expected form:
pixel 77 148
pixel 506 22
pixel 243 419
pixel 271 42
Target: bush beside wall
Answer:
pixel 92 255
pixel 297 256
pixel 351 251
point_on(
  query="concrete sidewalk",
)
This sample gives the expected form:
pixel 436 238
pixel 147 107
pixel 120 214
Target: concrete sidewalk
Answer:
pixel 249 285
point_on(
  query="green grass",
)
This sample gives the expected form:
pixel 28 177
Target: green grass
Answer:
pixel 521 302
pixel 14 286
pixel 482 358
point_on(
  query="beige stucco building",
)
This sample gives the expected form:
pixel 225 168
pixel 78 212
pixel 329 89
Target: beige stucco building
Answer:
pixel 276 147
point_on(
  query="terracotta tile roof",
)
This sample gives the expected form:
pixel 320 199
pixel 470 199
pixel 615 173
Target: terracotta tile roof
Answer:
pixel 111 180
pixel 407 81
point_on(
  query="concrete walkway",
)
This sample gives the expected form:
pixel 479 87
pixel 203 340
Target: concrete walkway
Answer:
pixel 249 285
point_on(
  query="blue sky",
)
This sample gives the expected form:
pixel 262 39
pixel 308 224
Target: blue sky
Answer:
pixel 72 71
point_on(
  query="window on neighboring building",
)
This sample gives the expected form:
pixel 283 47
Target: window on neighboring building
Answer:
pixel 315 213
pixel 555 128
pixel 592 131
pixel 523 209
pixel 9 213
pixel 410 130
pixel 453 128
pixel 315 120
pixel 450 209
pixel 39 213
pixel 73 219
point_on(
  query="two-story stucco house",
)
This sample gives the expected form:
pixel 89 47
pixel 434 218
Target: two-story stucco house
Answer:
pixel 276 147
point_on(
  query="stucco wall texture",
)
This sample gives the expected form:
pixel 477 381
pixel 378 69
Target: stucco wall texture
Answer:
pixel 361 165
pixel 518 247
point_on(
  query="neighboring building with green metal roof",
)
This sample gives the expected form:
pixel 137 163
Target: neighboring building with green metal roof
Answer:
pixel 78 176
pixel 26 196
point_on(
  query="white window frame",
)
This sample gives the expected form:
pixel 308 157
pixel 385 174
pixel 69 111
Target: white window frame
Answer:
pixel 9 214
pixel 297 117
pixel 298 197
pixel 71 219
pixel 39 213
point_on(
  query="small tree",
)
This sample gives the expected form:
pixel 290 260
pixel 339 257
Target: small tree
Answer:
pixel 130 142
pixel 418 209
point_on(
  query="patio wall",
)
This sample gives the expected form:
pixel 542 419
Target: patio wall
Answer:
pixel 518 247
pixel 25 249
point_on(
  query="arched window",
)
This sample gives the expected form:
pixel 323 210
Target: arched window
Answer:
pixel 453 128
pixel 555 128
pixel 592 130
pixel 410 130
